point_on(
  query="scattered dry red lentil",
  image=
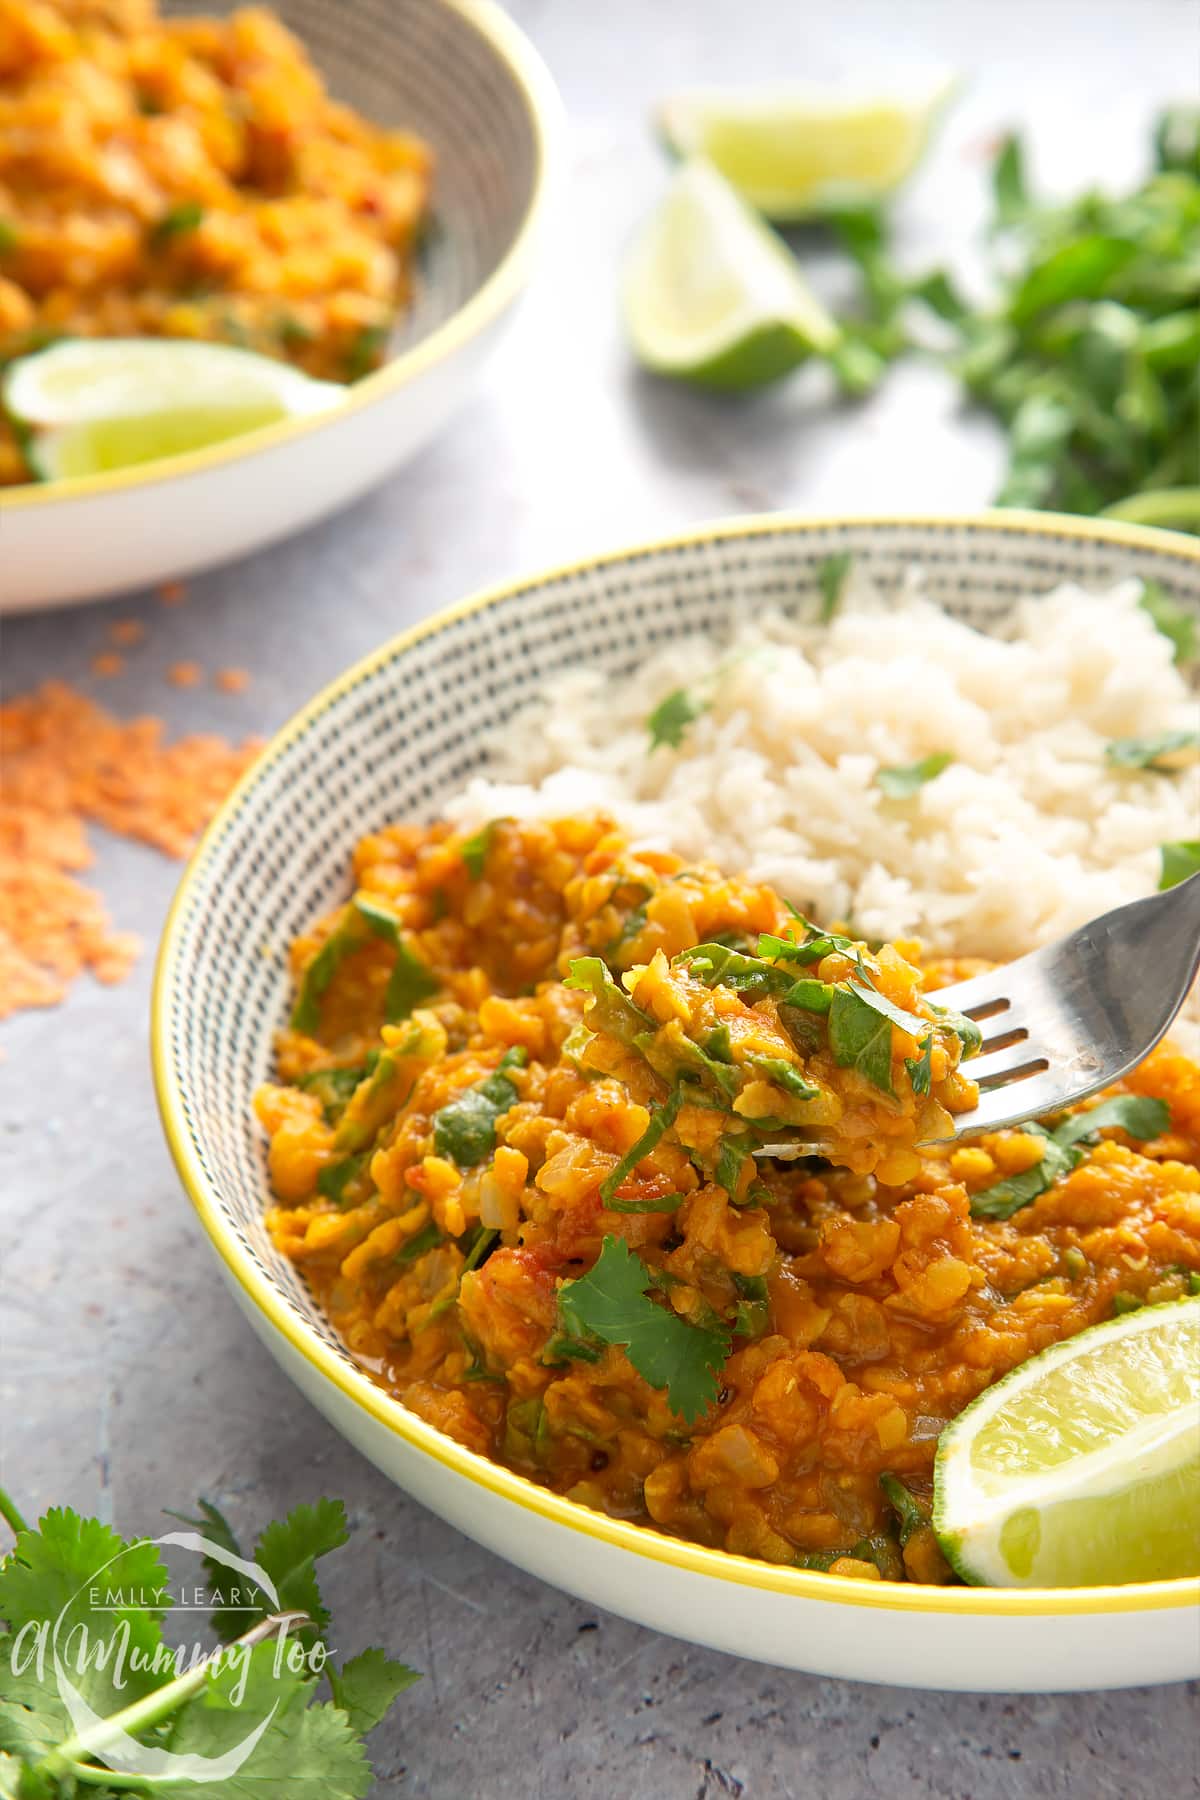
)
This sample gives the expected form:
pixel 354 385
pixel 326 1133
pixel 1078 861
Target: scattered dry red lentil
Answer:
pixel 172 593
pixel 184 674
pixel 66 760
pixel 126 631
pixel 107 663
pixel 232 681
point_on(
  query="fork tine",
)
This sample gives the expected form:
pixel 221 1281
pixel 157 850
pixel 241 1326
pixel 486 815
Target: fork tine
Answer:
pixel 1013 1103
pixel 1006 1063
pixel 977 994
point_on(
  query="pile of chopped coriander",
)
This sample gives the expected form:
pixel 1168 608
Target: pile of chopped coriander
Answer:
pixel 1089 355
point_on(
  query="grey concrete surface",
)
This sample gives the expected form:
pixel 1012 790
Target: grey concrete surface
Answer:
pixel 129 1382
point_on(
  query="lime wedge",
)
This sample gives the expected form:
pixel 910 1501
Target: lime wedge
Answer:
pixel 1082 1467
pixel 712 296
pixel 86 406
pixel 795 153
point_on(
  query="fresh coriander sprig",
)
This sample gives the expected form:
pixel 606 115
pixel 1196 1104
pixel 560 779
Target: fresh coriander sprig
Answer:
pixel 247 1694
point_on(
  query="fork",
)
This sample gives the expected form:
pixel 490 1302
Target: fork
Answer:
pixel 1071 1018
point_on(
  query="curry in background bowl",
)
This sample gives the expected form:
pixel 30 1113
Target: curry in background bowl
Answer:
pixel 191 178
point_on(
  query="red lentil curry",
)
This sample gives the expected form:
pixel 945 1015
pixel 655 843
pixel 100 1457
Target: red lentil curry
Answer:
pixel 619 1172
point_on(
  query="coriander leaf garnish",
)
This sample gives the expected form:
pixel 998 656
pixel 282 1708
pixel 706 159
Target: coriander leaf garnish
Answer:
pixel 1179 860
pixel 611 1302
pixel 333 1088
pixel 658 1203
pixel 683 1058
pixel 810 995
pixel 464 1130
pixel 428 1238
pixel 731 1159
pixel 1136 1114
pixel 611 1009
pixel 860 1037
pixel 1004 1198
pixel 410 983
pixel 903 780
pixel 336 1177
pixel 1174 621
pixel 1168 750
pixel 913 1023
pixel 832 574
pixel 860 1022
pixel 966 1030
pixel 753 1314
pixel 910 1514
pixel 920 1068
pixel 474 850
pixel 661 1120
pixel 562 1347
pixel 176 221
pixel 716 965
pixel 783 1074
pixel 671 718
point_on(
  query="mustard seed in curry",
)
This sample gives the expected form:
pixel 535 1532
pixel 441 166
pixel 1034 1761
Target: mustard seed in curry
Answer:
pixel 626 1175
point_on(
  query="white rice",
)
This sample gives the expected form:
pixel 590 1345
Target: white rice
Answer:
pixel 1027 833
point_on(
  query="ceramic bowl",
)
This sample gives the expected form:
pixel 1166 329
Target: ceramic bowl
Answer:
pixel 461 75
pixel 388 741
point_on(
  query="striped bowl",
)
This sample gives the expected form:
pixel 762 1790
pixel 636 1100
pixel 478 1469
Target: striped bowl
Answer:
pixel 388 741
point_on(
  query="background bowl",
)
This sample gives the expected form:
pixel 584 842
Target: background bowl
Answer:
pixel 461 75
pixel 387 741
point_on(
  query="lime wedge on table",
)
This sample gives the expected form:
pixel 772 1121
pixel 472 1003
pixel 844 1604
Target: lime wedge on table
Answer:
pixel 711 295
pixel 795 153
pixel 1082 1467
pixel 86 406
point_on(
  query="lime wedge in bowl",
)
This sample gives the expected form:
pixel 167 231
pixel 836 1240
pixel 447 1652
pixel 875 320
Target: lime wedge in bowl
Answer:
pixel 794 153
pixel 712 296
pixel 1082 1467
pixel 86 406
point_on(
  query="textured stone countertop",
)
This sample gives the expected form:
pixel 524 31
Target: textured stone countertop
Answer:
pixel 129 1381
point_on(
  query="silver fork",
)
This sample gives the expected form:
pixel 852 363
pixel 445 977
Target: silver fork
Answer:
pixel 1077 1015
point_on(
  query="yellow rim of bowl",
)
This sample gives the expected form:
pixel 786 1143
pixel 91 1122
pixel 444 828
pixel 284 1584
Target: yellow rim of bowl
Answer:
pixel 357 1386
pixel 544 106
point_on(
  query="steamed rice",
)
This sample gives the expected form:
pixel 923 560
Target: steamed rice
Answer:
pixel 1027 833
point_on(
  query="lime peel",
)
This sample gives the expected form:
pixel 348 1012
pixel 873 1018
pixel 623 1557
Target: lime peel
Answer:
pixel 712 296
pixel 794 153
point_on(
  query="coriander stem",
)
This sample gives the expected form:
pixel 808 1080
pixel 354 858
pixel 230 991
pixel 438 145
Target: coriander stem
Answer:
pixel 1171 507
pixel 10 1515
pixel 154 1706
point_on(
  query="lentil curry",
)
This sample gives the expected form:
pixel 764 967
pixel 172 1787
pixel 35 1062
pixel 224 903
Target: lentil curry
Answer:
pixel 619 1171
pixel 191 178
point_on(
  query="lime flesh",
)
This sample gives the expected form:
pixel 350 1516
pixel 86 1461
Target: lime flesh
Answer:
pixel 793 154
pixel 100 445
pixel 89 406
pixel 1082 1467
pixel 712 296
